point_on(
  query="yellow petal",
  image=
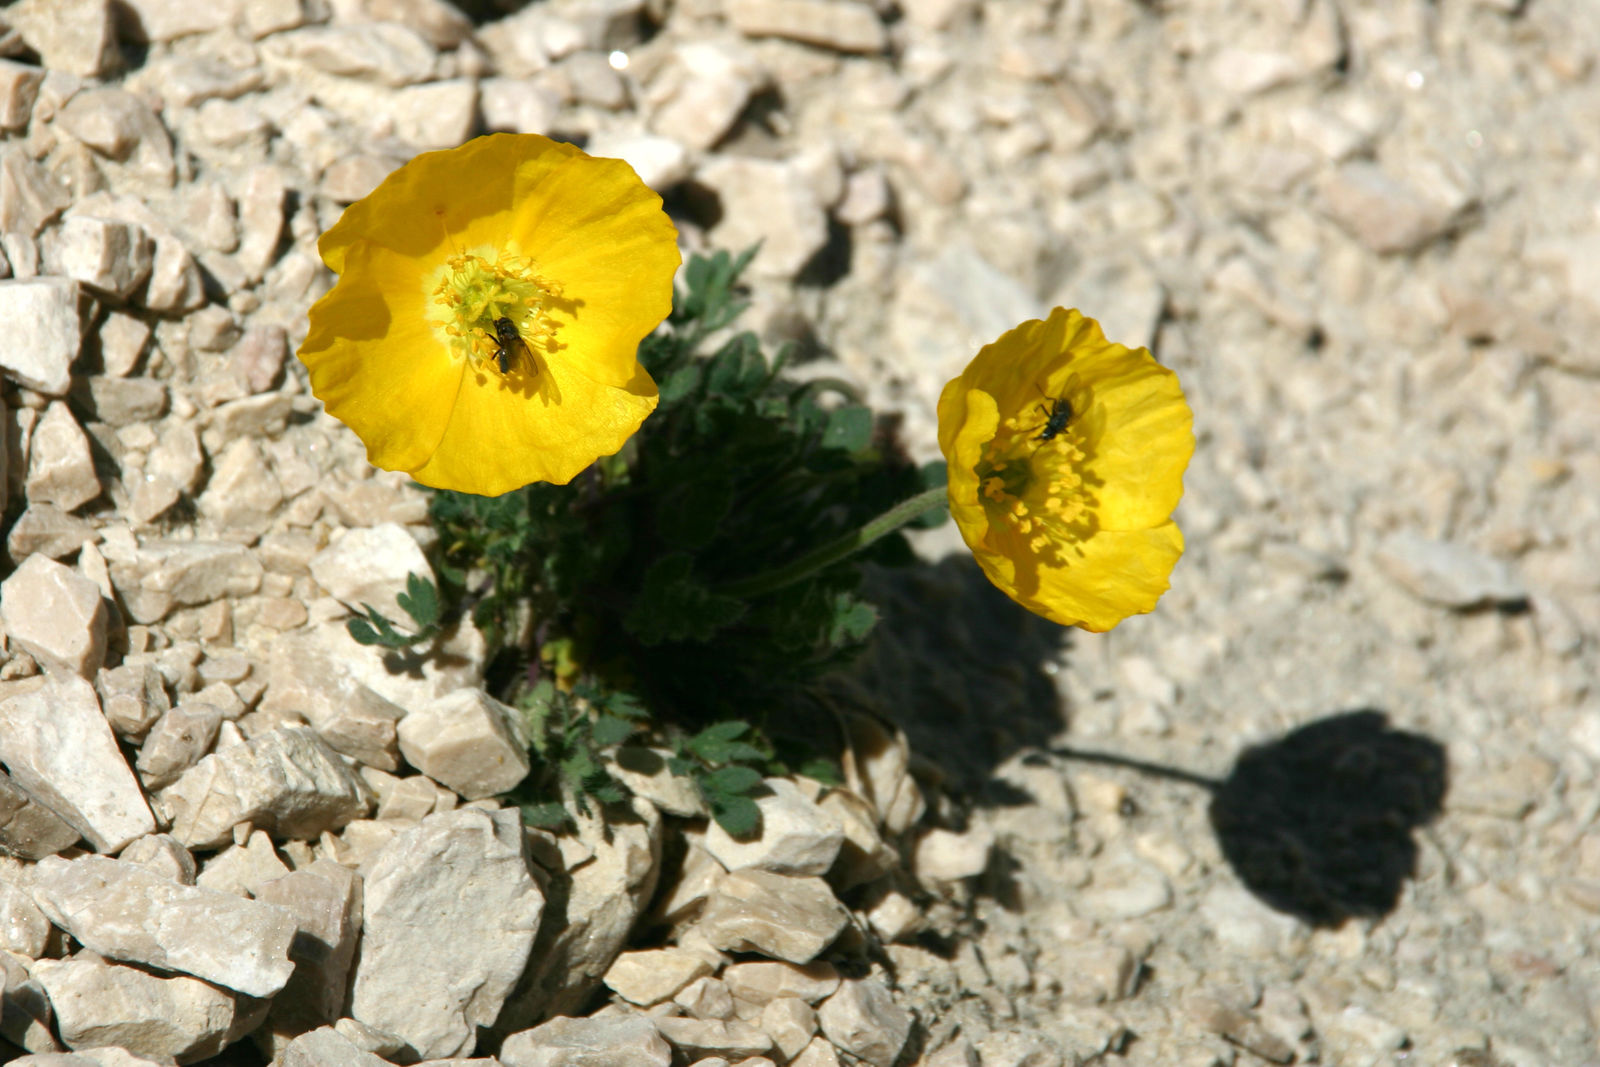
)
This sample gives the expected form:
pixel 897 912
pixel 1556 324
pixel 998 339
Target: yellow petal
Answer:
pixel 442 198
pixel 592 224
pixel 499 439
pixel 374 360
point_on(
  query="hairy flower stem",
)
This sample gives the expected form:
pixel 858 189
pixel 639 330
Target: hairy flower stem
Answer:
pixel 837 549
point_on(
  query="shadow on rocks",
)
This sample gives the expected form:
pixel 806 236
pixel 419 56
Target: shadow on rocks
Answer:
pixel 961 669
pixel 1321 823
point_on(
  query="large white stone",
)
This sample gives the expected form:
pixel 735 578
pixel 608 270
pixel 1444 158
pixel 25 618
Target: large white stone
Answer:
pixel 794 836
pixel 843 25
pixel 771 202
pixel 177 742
pixel 598 1041
pixel 650 975
pixel 58 747
pixel 286 780
pixel 607 877
pixel 126 911
pixel 863 1019
pixel 702 93
pixel 325 899
pixel 56 615
pixel 777 915
pixel 43 331
pixel 109 256
pixel 308 678
pixel 166 1018
pixel 327 1047
pixel 60 465
pixel 369 566
pixel 451 897
pixel 468 741
pixel 73 36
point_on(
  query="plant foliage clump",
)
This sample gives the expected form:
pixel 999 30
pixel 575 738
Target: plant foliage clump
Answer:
pixel 642 596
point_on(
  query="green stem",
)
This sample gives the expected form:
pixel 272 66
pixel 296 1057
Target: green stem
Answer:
pixel 837 549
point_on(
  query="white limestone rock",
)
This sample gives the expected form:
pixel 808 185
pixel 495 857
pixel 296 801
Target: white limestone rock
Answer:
pixel 308 678
pixel 60 465
pixel 286 780
pixel 760 982
pixel 791 1023
pixel 242 492
pixel 325 900
pixel 167 574
pixel 166 1018
pixel 369 566
pixel 55 615
pixel 133 698
pixel 946 856
pixel 1385 214
pixel 327 1047
pixel 19 87
pixel 23 927
pixel 842 25
pixel 44 331
pixel 25 1016
pixel 733 1039
pixel 863 1020
pixel 242 870
pixel 863 855
pixel 162 854
pixel 468 741
pixel 777 915
pixel 608 876
pixel 877 767
pixel 73 36
pixel 177 742
pixel 795 835
pixel 125 911
pixel 701 94
pixel 771 202
pixel 58 747
pixel 660 162
pixel 645 773
pixel 110 256
pixel 623 1040
pixel 649 976
pixel 452 896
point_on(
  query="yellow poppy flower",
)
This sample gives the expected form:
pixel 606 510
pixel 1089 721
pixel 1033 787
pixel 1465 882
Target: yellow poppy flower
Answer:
pixel 484 330
pixel 1066 455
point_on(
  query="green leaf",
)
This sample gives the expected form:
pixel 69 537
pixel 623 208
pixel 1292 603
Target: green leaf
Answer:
pixel 738 815
pixel 420 601
pixel 849 428
pixel 680 383
pixel 672 606
pixel 545 815
pixel 611 730
pixel 732 781
pixel 361 631
pixel 853 620
pixel 822 769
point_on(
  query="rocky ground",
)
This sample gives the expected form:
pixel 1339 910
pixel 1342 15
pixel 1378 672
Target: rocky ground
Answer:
pixel 1331 802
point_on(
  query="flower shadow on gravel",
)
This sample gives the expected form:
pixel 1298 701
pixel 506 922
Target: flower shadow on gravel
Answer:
pixel 1321 823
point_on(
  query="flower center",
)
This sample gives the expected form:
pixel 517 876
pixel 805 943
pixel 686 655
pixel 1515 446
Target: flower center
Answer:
pixel 1036 486
pixel 474 294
